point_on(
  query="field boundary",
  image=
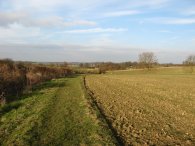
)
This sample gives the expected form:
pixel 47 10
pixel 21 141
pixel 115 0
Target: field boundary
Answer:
pixel 93 103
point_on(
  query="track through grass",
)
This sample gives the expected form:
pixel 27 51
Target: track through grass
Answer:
pixel 58 113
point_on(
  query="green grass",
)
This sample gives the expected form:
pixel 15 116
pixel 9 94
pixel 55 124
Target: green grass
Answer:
pixel 86 70
pixel 17 123
pixel 56 113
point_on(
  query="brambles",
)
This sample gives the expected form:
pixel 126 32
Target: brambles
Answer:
pixel 15 77
pixel 152 109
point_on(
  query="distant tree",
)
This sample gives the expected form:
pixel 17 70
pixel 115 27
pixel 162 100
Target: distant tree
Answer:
pixel 65 64
pixel 190 62
pixel 147 60
pixel 81 64
pixel 102 70
pixel 85 65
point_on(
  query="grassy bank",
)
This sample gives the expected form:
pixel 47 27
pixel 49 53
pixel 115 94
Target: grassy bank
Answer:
pixel 57 113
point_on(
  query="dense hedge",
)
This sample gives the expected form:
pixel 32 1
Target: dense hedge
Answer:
pixel 16 77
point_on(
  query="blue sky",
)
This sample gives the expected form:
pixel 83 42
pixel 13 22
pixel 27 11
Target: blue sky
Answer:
pixel 96 30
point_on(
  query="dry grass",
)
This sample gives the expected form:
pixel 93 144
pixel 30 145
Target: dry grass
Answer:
pixel 152 109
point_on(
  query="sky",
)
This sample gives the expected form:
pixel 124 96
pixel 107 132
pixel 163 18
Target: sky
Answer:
pixel 96 30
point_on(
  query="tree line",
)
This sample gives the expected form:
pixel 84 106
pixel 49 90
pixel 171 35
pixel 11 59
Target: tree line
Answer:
pixel 146 60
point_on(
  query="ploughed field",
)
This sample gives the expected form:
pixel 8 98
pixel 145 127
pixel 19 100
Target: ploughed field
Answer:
pixel 148 109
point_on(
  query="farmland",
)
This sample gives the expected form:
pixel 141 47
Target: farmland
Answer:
pixel 125 107
pixel 148 107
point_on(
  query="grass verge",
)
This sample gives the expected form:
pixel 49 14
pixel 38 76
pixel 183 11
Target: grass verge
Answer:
pixel 57 113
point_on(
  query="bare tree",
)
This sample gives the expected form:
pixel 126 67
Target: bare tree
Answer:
pixel 147 59
pixel 190 62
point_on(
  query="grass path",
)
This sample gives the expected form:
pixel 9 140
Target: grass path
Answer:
pixel 57 114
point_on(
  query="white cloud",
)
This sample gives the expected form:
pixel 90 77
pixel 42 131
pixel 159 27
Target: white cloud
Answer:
pixel 95 30
pixel 50 22
pixel 54 3
pixel 180 21
pixel 16 33
pixel 103 40
pixel 80 23
pixel 7 18
pixel 51 5
pixel 122 13
pixel 76 8
pixel 168 20
pixel 59 22
pixel 148 3
pixel 189 11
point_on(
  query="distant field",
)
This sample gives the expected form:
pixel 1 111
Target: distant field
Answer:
pixel 151 108
pixel 159 71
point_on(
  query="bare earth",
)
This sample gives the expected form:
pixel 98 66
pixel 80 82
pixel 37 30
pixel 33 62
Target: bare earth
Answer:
pixel 148 109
